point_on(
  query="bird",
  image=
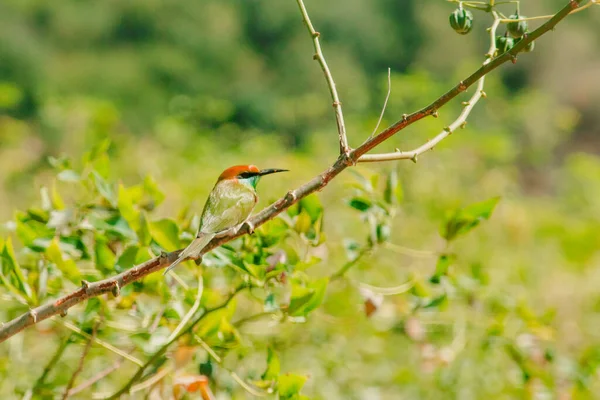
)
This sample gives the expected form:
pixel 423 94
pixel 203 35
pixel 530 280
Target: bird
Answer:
pixel 229 204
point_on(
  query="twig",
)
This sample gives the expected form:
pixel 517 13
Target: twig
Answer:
pixel 166 346
pixel 101 375
pixel 102 343
pixel 583 7
pixel 253 391
pixel 408 251
pixel 340 273
pixel 52 363
pixel 253 317
pixel 387 97
pixel 191 312
pixel 388 291
pixel 79 368
pixel 460 121
pixel 152 380
pixel 337 105
pixel 114 284
pixel 359 153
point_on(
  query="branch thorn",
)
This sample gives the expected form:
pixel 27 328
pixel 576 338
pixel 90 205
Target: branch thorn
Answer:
pixel 463 125
pixel 33 315
pixel 316 34
pixel 116 290
pixel 414 159
pixel 291 196
pixel 483 94
pixel 466 103
pixel 404 117
pixel 63 313
pixel 85 284
pixel 435 114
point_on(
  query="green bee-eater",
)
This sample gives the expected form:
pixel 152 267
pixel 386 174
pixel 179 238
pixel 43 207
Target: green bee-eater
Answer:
pixel 229 204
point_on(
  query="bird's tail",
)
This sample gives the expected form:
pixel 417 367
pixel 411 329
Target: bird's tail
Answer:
pixel 193 250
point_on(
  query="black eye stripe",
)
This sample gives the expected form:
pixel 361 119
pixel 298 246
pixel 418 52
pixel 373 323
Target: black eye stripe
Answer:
pixel 246 175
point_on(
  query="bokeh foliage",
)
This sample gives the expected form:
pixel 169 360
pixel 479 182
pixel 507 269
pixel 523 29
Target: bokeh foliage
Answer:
pixel 123 113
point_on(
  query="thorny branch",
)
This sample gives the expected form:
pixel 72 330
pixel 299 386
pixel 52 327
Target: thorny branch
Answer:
pixel 114 284
pixel 460 122
pixel 337 104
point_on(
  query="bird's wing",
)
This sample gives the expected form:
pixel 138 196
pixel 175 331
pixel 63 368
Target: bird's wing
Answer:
pixel 229 204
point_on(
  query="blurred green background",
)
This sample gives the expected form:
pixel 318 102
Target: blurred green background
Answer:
pixel 186 88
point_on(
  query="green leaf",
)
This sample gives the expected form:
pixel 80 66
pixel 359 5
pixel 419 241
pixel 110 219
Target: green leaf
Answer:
pixel 57 201
pixel 300 297
pixel 68 175
pixel 290 385
pixel 305 299
pixel 361 204
pixel 9 260
pixel 393 193
pixel 166 233
pixel 29 232
pixel 319 287
pixel 441 267
pixel 440 302
pixel 125 201
pixel 419 289
pixel 67 267
pixel 127 259
pixel 154 196
pixel 104 188
pixel 105 258
pixel 303 222
pixel 467 218
pixel 273 366
pixel 313 207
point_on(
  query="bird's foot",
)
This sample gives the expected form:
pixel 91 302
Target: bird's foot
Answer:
pixel 250 226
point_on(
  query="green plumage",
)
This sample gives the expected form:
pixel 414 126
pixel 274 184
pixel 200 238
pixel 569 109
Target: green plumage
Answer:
pixel 229 204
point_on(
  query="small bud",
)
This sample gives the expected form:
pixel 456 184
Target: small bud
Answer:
pixel 461 21
pixel 517 28
pixel 435 114
pixel 504 44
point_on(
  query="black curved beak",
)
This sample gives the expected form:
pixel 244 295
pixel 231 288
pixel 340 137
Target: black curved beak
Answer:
pixel 271 171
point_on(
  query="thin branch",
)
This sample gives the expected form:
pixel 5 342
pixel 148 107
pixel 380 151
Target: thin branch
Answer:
pixel 387 97
pixel 388 291
pixel 52 363
pixel 114 284
pixel 581 8
pixel 191 312
pixel 342 271
pixel 79 368
pixel 165 347
pixel 462 86
pixel 154 379
pixel 99 376
pixel 337 104
pixel 459 122
pixel 253 391
pixel 242 321
pixel 102 343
